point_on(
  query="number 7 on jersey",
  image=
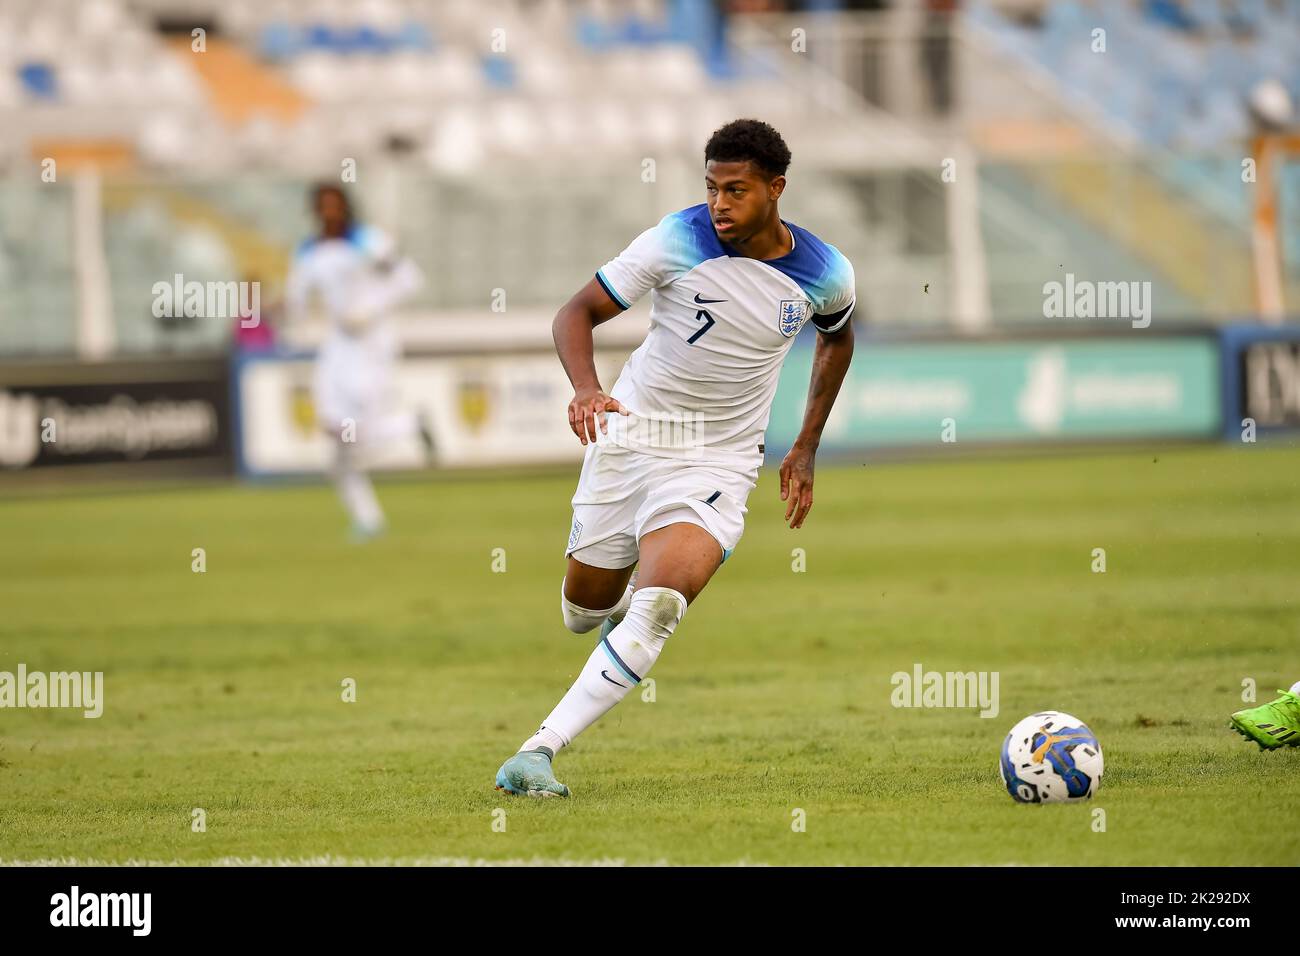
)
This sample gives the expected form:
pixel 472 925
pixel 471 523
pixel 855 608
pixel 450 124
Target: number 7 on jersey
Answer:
pixel 708 324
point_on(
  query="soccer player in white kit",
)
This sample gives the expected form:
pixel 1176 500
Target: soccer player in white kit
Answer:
pixel 359 276
pixel 673 449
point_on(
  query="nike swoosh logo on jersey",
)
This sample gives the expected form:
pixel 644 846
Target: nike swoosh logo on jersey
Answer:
pixel 699 301
pixel 612 681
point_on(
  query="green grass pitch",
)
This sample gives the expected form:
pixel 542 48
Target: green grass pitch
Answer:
pixel 224 689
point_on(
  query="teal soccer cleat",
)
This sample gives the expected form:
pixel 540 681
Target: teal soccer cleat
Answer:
pixel 529 773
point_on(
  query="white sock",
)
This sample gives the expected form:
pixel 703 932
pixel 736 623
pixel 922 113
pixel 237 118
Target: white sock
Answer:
pixel 356 491
pixel 580 620
pixel 617 665
pixel 1295 688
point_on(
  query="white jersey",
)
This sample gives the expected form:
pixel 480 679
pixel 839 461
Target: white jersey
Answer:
pixel 358 276
pixel 701 385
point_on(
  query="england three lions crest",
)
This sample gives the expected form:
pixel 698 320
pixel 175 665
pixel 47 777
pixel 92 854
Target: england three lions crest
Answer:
pixel 794 312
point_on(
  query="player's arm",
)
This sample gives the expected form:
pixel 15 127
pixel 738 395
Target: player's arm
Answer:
pixel 831 358
pixel 400 277
pixel 297 291
pixel 572 331
pixel 394 279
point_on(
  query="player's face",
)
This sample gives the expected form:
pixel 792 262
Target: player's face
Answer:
pixel 332 212
pixel 740 198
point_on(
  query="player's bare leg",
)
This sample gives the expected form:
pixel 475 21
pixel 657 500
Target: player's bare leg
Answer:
pixel 681 556
pixel 588 586
pixel 676 563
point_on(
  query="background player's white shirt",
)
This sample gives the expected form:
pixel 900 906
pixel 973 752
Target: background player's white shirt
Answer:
pixel 358 277
pixel 701 385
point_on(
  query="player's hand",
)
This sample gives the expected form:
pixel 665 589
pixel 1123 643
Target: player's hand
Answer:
pixel 585 413
pixel 797 485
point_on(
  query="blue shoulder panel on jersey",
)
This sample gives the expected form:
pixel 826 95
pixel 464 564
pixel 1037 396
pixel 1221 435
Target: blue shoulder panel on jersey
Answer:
pixel 355 235
pixel 694 232
pixel 363 237
pixel 819 268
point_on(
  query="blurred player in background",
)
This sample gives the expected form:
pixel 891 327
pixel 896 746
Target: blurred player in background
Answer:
pixel 664 483
pixel 359 277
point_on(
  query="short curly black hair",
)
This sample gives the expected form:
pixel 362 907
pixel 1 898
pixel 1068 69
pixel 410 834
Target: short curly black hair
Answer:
pixel 752 140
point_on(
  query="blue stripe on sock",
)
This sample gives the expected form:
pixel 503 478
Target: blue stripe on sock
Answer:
pixel 618 662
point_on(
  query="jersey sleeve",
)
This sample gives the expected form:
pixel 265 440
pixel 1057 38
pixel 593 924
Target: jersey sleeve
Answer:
pixel 642 266
pixel 835 308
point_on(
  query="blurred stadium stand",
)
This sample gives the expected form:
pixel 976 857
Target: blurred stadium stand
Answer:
pixel 515 159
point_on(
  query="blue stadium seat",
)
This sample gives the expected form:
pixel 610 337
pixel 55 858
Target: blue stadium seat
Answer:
pixel 39 80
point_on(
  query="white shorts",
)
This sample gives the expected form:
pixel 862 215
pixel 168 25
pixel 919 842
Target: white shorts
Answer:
pixel 623 494
pixel 353 378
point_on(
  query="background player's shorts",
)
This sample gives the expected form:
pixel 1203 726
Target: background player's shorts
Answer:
pixel 353 378
pixel 623 494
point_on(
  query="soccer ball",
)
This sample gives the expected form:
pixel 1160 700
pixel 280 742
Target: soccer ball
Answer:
pixel 1051 757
